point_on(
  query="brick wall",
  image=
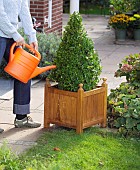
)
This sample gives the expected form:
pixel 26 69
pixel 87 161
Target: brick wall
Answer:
pixel 39 10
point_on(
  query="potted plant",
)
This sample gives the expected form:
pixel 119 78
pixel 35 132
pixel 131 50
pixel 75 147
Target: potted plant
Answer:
pixel 78 64
pixel 119 22
pixel 135 24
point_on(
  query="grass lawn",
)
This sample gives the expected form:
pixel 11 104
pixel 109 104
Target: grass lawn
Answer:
pixel 96 10
pixel 62 149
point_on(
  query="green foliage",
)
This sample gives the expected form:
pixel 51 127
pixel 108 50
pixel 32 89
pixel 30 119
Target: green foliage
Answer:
pixel 124 101
pixel 77 61
pixel 47 46
pixel 121 6
pixel 8 160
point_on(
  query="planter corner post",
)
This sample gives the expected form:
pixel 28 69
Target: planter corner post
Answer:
pixel 46 103
pixel 79 117
pixel 104 84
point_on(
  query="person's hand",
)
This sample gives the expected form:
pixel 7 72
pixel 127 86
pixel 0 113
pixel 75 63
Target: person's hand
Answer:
pixel 34 45
pixel 20 42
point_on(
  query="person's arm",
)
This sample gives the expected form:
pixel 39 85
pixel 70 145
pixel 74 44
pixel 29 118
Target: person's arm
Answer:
pixel 27 24
pixel 5 26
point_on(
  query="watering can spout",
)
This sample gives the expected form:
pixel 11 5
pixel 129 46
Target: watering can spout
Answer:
pixel 40 70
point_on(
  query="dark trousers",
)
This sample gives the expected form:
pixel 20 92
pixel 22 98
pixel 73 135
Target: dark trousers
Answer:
pixel 21 103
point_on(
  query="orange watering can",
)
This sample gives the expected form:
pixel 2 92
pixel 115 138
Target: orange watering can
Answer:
pixel 23 65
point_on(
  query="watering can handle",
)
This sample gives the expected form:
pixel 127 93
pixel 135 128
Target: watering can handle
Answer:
pixel 37 54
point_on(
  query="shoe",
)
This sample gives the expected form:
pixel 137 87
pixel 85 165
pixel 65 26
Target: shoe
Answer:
pixel 26 122
pixel 1 130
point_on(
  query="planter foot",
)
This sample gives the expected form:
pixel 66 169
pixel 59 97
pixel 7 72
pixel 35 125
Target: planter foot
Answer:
pixel 79 131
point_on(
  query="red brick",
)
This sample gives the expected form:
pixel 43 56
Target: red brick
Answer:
pixel 39 9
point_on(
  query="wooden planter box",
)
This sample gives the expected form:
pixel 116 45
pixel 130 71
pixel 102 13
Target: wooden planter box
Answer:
pixel 76 110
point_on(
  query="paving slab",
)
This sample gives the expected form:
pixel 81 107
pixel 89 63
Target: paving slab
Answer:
pixel 7 84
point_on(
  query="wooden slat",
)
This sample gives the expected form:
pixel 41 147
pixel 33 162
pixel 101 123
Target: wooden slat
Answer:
pixel 94 122
pixel 94 91
pixel 63 92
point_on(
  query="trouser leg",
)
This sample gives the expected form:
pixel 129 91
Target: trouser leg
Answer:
pixel 2 47
pixel 21 97
pixel 21 94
